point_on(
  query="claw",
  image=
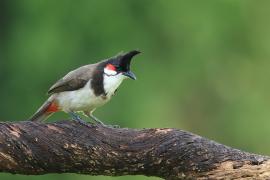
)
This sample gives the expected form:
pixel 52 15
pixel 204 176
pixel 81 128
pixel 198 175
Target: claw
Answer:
pixel 109 126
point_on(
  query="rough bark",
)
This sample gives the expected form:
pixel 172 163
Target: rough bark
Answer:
pixel 69 147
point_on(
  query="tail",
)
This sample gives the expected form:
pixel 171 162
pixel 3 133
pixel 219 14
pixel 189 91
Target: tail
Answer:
pixel 47 109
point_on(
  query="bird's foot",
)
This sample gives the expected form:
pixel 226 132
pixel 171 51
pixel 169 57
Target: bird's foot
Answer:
pixel 110 126
pixel 77 118
pixel 85 123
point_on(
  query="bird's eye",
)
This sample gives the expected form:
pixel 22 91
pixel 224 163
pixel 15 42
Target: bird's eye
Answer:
pixel 118 68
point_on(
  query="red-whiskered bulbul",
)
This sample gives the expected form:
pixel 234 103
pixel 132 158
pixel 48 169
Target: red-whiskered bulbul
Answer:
pixel 87 88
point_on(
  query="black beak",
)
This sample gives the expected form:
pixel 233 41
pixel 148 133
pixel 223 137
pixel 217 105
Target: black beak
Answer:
pixel 130 74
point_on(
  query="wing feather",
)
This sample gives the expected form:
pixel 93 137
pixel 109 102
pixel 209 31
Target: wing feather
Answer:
pixel 74 80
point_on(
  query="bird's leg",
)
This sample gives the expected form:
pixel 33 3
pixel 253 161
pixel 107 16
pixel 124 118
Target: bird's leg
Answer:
pixel 96 120
pixel 99 122
pixel 77 118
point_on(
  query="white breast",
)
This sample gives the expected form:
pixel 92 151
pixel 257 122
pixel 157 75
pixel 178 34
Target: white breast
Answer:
pixel 84 99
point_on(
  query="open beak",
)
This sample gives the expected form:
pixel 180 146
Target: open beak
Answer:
pixel 130 74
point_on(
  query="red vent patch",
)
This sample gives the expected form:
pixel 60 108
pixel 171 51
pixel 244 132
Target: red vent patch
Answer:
pixel 52 108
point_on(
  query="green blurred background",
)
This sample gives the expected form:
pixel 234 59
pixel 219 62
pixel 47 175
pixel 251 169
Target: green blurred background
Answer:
pixel 204 68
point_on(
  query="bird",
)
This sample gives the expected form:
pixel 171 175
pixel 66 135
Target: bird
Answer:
pixel 87 88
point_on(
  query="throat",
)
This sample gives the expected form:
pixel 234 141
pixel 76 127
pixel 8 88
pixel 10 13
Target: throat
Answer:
pixel 111 83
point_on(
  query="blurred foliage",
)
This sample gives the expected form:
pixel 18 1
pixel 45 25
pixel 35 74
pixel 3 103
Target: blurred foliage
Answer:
pixel 204 68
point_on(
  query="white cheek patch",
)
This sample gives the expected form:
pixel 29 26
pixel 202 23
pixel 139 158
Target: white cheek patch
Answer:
pixel 110 72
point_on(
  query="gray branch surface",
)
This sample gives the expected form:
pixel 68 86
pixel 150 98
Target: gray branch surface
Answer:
pixel 69 147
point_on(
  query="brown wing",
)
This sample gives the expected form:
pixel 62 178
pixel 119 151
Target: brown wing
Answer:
pixel 73 80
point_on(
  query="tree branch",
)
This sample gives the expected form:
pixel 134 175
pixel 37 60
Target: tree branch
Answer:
pixel 69 147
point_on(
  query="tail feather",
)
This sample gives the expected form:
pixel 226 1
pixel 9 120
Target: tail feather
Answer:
pixel 44 111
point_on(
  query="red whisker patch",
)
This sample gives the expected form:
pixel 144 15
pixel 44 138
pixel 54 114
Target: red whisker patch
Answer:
pixel 111 67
